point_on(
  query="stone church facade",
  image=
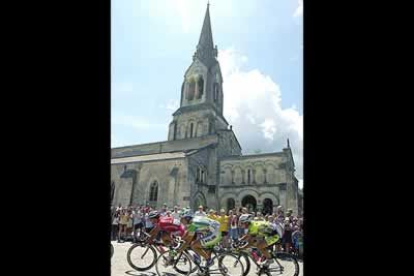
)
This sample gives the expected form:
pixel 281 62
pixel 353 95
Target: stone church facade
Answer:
pixel 201 163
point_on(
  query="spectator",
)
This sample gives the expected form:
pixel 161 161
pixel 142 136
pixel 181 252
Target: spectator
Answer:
pixel 148 223
pixel 297 238
pixel 287 235
pixel 224 226
pixel 138 224
pixel 233 221
pixel 130 224
pixel 176 213
pixel 212 214
pixel 279 211
pixel 123 220
pixel 115 222
pixel 200 211
pixel 164 209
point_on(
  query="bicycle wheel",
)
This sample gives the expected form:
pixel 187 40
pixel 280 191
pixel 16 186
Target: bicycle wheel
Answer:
pixel 228 264
pixel 245 261
pixel 283 264
pixel 112 250
pixel 191 254
pixel 167 267
pixel 141 257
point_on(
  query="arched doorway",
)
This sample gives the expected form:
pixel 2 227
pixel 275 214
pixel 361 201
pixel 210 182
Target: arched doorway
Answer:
pixel 250 203
pixel 199 200
pixel 267 206
pixel 230 204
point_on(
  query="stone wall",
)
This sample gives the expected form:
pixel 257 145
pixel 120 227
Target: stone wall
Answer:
pixel 171 176
pixel 271 177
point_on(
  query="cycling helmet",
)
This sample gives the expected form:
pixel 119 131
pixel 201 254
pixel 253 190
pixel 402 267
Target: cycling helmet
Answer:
pixel 153 215
pixel 187 214
pixel 246 218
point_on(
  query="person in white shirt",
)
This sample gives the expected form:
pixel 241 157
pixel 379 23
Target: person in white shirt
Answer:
pixel 176 214
pixel 148 223
pixel 200 211
pixel 138 223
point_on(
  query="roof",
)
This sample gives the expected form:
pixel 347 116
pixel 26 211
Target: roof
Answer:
pixel 239 157
pixel 150 157
pixel 181 145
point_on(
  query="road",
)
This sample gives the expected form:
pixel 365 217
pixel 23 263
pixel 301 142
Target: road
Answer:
pixel 120 266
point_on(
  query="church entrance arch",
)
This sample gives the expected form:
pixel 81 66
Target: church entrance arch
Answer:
pixel 267 206
pixel 250 203
pixel 230 204
pixel 199 200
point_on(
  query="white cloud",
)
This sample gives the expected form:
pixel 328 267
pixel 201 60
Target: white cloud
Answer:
pixel 299 9
pixel 300 183
pixel 252 104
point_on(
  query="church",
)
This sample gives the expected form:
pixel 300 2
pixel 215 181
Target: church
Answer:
pixel 201 162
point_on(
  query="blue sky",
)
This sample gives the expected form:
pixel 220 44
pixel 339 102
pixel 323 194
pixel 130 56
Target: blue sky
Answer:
pixel 260 53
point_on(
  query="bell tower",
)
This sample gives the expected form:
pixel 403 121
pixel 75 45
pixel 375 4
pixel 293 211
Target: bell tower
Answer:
pixel 201 104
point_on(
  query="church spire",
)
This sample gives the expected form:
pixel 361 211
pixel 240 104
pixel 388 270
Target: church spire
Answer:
pixel 206 37
pixel 206 51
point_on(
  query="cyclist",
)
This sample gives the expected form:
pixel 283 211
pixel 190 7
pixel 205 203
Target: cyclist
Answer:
pixel 260 234
pixel 197 226
pixel 166 226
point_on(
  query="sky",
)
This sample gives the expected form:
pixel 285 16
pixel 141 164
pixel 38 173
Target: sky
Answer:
pixel 260 45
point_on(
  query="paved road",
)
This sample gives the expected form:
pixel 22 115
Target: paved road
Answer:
pixel 120 266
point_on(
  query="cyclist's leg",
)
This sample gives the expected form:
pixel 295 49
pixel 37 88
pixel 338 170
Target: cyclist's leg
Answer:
pixel 262 246
pixel 166 238
pixel 198 248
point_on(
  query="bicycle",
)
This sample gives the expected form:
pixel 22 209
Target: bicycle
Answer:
pixel 221 263
pixel 112 250
pixel 137 254
pixel 284 263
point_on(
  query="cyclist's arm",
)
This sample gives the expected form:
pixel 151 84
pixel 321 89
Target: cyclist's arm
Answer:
pixel 245 237
pixel 187 238
pixel 153 233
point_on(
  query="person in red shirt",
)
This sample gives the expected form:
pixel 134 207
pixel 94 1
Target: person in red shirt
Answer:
pixel 168 226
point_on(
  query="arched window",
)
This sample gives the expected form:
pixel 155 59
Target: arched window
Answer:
pixel 216 91
pixel 191 130
pixel 198 175
pixel 200 85
pixel 230 204
pixel 153 191
pixel 248 176
pixel 191 89
pixel 175 131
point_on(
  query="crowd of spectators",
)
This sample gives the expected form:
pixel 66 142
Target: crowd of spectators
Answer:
pixel 129 223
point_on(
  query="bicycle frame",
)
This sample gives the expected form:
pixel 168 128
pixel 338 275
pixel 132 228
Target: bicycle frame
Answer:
pixel 201 268
pixel 244 252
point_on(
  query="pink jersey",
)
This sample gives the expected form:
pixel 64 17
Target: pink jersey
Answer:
pixel 171 225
